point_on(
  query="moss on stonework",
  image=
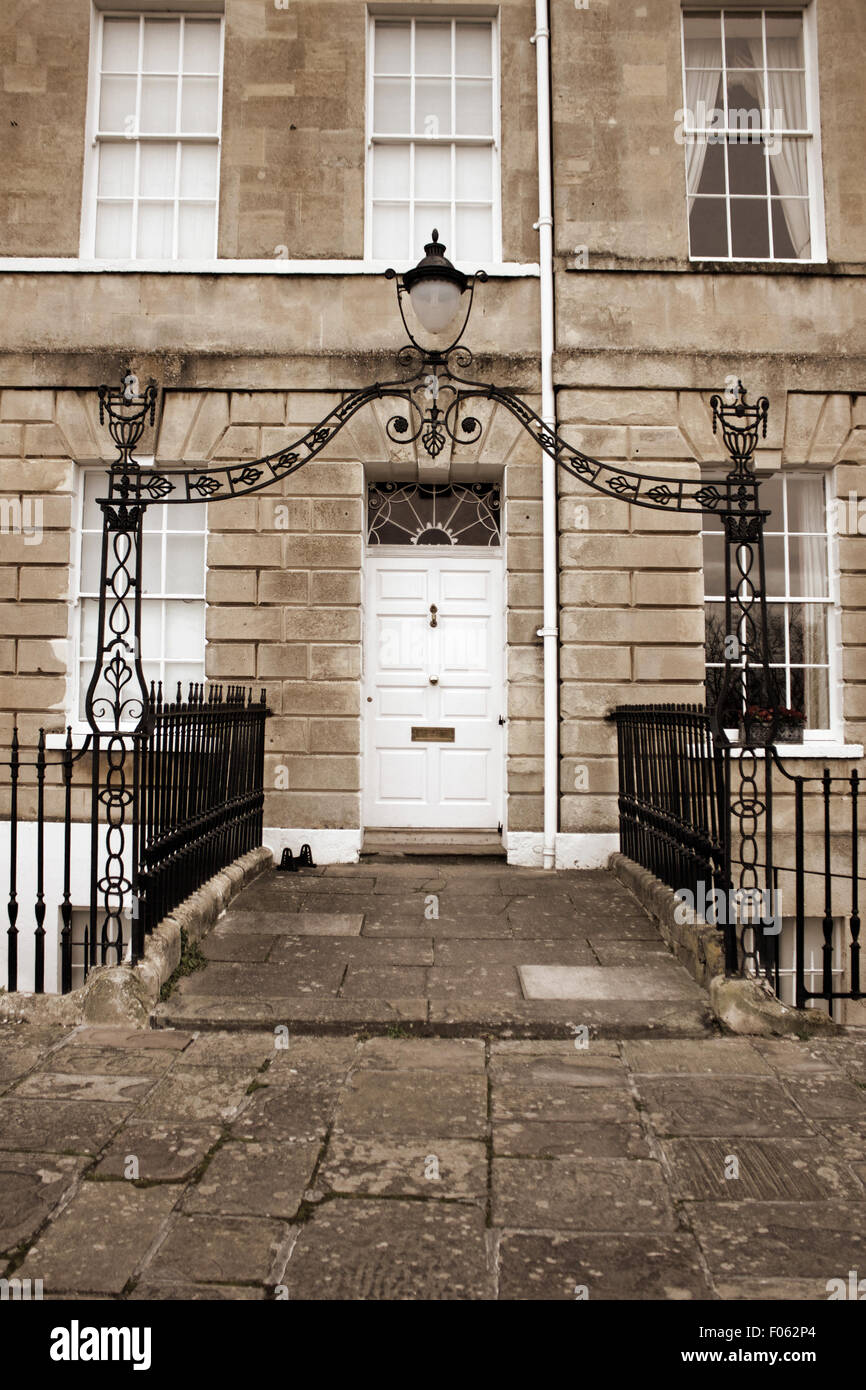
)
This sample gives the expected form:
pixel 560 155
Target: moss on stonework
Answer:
pixel 192 958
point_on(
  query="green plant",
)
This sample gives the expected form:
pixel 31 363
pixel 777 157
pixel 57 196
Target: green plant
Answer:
pixel 192 958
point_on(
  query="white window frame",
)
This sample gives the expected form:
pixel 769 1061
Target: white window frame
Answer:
pixel 495 141
pixel 815 164
pixel 87 243
pixel 76 717
pixel 833 735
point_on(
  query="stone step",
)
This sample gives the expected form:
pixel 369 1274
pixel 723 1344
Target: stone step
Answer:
pixel 431 843
pixel 610 1019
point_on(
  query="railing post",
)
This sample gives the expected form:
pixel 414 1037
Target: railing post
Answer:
pixel 799 895
pixel 66 905
pixel 12 905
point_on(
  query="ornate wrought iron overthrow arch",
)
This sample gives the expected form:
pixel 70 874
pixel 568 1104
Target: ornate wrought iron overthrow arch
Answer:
pixel 435 397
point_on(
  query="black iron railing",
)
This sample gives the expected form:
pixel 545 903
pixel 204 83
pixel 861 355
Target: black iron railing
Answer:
pixel 671 794
pixel 676 808
pixel 39 795
pixel 201 794
pixel 196 804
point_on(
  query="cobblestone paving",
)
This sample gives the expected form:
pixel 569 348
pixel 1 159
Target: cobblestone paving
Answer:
pixel 291 1137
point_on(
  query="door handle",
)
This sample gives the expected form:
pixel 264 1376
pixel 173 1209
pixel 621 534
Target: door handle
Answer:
pixel 434 680
pixel 433 619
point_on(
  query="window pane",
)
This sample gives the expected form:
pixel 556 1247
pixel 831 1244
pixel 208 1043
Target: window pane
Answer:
pixel 201 45
pixel 474 50
pixel 95 485
pixel 428 216
pixel 807 558
pixel 747 168
pixel 810 691
pixel 774 563
pixel 155 230
pixel 474 239
pixel 474 108
pixel 391 106
pixel 432 107
pixel 161 45
pixel 390 232
pixel 184 629
pixel 432 171
pixel 151 567
pixel 195 234
pixel 198 171
pixel 199 105
pixel 784 41
pixel 703 100
pixel 703 40
pixel 158 105
pixel 743 43
pixel 808 633
pixel 714 632
pixel 714 564
pixel 750 233
pixel 151 628
pixel 708 227
pixel 390 171
pixel 474 173
pixel 184 565
pixel 806 505
pixel 116 170
pixel 791 235
pixel 113 231
pixel 776 630
pixel 191 516
pixel 156 171
pixel 705 166
pixel 392 48
pixel 746 101
pixel 120 45
pixel 91 555
pixel 117 105
pixel 154 518
pixel 771 500
pixel 433 48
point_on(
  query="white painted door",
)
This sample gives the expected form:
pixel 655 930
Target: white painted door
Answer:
pixel 434 690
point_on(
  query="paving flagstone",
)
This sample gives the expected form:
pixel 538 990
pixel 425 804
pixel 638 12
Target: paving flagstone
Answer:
pixel 431 1081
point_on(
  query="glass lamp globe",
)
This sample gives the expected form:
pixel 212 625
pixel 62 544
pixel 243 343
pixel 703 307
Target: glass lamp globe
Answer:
pixel 435 287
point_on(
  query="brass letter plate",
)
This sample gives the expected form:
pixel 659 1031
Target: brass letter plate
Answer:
pixel 427 735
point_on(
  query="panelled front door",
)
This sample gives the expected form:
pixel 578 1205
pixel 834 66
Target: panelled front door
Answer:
pixel 434 690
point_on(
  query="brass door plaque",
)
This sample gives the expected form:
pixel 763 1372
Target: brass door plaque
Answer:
pixel 429 735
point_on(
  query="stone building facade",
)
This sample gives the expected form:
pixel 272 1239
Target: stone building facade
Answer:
pixel 267 301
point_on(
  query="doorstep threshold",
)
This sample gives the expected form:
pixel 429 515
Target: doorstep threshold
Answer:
pixel 432 842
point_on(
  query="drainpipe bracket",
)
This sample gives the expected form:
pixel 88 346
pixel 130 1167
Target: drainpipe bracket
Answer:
pixel 547 632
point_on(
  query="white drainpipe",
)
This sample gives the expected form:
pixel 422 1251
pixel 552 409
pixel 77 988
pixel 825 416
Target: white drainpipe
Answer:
pixel 550 631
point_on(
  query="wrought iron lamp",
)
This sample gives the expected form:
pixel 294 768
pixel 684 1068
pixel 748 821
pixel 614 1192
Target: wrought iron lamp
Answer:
pixel 435 288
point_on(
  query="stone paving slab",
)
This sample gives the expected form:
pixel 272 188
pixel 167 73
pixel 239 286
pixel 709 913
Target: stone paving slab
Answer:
pixel 211 1093
pixel 628 1267
pixel 164 1152
pixel 397 1167
pixel 218 1250
pixel 695 1105
pixel 392 1250
pixel 257 1178
pixel 781 1240
pixel 599 1194
pixel 656 982
pixel 440 1168
pixel 59 1126
pixel 417 1103
pixel 569 1138
pixel 31 1186
pixel 765 1170
pixel 97 1243
pixel 258 923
